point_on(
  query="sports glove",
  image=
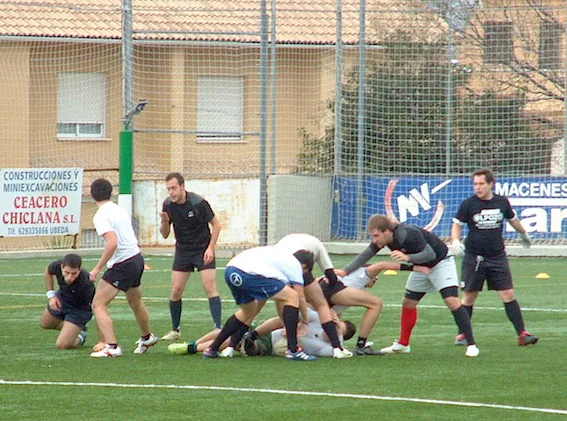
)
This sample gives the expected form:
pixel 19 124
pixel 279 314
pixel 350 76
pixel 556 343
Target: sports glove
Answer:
pixel 457 248
pixel 526 240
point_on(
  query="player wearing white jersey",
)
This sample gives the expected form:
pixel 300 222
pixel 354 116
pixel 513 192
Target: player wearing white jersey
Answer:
pixel 125 266
pixel 290 244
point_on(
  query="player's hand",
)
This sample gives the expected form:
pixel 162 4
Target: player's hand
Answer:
pixel 399 255
pixel 526 240
pixel 334 316
pixel 55 303
pixel 421 269
pixel 165 218
pixel 99 346
pixel 209 256
pixel 457 248
pixel 340 272
pixel 93 275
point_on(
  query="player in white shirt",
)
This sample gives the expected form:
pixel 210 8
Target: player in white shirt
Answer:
pixel 290 244
pixel 255 275
pixel 125 266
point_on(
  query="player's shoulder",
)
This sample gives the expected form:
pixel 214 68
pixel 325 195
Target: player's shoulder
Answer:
pixel 167 202
pixel 55 267
pixel 194 198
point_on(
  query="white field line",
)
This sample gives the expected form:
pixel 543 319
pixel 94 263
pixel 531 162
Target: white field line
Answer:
pixel 288 392
pixel 227 300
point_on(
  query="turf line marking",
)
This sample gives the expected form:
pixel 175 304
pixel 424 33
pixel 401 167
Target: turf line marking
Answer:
pixel 288 392
pixel 228 300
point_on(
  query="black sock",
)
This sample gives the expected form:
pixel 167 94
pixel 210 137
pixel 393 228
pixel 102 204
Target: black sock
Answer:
pixel 175 311
pixel 331 276
pixel 231 326
pixel 360 342
pixel 514 313
pixel 463 321
pixel 236 337
pixel 216 310
pixel 145 338
pixel 469 310
pixel 290 318
pixel 330 329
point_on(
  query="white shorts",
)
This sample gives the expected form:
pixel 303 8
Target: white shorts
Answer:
pixel 443 274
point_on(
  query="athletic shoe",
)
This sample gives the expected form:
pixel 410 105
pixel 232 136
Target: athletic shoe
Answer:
pixel 228 352
pixel 82 337
pixel 144 345
pixel 171 336
pixel 527 338
pixel 208 353
pixel 367 350
pixel 472 351
pixel 396 348
pixel 107 351
pixel 341 353
pixel 299 355
pixel 180 348
pixel 460 339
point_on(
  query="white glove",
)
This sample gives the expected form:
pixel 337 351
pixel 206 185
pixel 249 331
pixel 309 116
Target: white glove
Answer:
pixel 526 240
pixel 457 248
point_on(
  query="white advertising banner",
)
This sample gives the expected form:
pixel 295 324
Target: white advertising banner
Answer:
pixel 40 201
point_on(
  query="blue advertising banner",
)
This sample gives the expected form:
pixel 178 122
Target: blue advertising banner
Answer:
pixel 431 202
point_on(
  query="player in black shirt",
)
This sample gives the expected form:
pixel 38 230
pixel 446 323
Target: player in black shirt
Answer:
pixel 190 215
pixel 412 245
pixel 69 309
pixel 485 258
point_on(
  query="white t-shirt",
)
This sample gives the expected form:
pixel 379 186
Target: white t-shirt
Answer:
pixel 295 242
pixel 111 217
pixel 313 343
pixel 270 263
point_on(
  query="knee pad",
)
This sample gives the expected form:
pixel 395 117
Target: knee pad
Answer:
pixel 450 292
pixel 412 295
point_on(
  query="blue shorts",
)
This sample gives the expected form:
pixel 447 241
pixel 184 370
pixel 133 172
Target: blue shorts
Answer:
pixel 246 287
pixel 71 314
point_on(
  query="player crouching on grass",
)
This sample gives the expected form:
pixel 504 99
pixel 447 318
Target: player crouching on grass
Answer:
pixel 69 309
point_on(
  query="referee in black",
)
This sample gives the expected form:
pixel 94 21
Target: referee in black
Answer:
pixel 485 213
pixel 192 218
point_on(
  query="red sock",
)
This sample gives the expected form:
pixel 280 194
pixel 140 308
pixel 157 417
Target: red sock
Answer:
pixel 409 319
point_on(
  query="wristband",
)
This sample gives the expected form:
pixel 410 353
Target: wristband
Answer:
pixel 50 294
pixel 405 266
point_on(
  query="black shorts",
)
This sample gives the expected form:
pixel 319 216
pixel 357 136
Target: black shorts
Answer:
pixel 126 274
pixel 477 269
pixel 67 313
pixel 185 262
pixel 331 289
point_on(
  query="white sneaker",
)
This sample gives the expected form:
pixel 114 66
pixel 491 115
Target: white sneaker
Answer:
pixel 472 351
pixel 228 352
pixel 341 353
pixel 396 348
pixel 143 346
pixel 171 336
pixel 107 352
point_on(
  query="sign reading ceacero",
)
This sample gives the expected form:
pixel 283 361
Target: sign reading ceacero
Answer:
pixel 432 202
pixel 40 201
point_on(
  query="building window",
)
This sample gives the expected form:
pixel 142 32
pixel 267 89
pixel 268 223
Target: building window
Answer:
pixel 550 38
pixel 498 43
pixel 220 105
pixel 81 105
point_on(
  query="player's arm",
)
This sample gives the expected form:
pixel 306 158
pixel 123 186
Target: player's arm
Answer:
pixel 51 297
pixel 210 251
pixel 111 244
pixel 524 236
pixel 373 270
pixel 413 239
pixel 361 259
pixel 165 225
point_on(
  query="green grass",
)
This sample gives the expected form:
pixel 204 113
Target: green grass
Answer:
pixel 88 388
